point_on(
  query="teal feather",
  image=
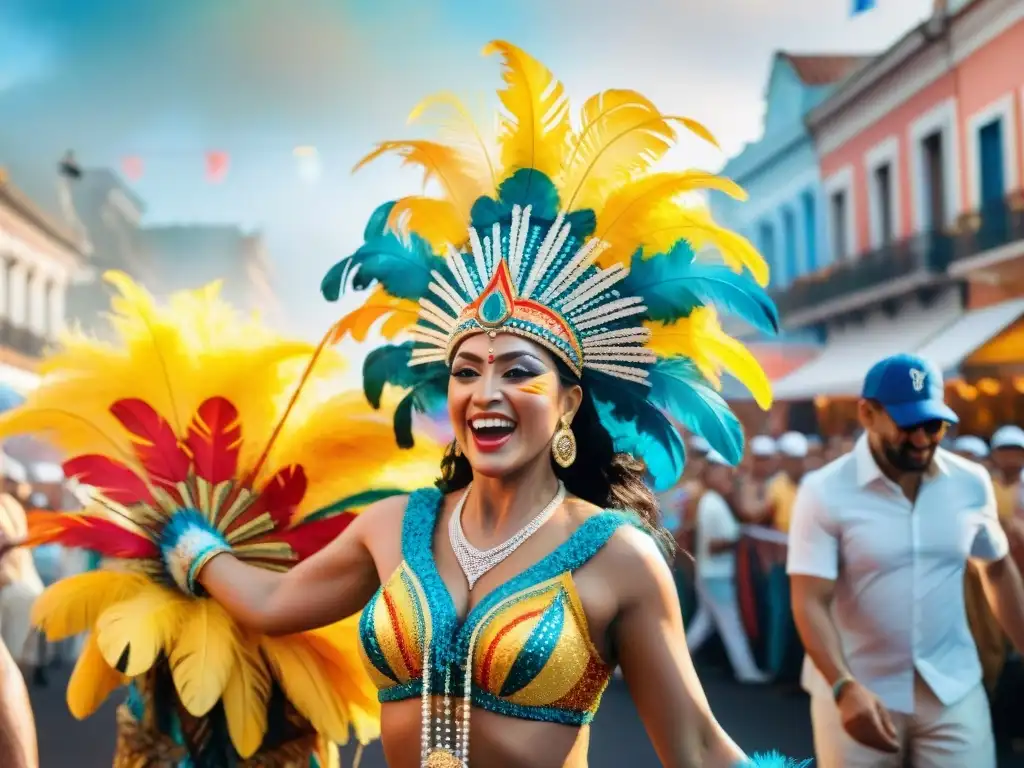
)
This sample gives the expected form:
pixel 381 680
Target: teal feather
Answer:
pixel 388 365
pixel 403 265
pixel 651 437
pixel 681 390
pixel 674 284
pixel 527 187
pixel 355 501
pixel 774 760
pixel 427 385
pixel 423 397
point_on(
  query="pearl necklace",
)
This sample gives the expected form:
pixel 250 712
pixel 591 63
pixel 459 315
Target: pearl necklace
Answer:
pixel 475 562
pixel 446 744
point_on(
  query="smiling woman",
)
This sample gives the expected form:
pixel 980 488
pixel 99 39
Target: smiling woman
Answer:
pixel 534 569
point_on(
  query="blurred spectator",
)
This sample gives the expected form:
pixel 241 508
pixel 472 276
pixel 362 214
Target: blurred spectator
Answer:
pixel 782 487
pixel 815 453
pixel 20 585
pixel 1007 464
pixel 718 607
pixel 751 496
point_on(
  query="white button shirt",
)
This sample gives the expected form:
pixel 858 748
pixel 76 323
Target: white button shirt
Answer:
pixel 899 570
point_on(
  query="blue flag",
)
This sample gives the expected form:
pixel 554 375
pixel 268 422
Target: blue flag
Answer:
pixel 862 6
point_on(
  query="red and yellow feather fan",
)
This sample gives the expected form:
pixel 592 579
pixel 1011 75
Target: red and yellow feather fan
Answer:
pixel 197 411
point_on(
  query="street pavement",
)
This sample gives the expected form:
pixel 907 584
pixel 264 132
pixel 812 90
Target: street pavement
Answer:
pixel 758 718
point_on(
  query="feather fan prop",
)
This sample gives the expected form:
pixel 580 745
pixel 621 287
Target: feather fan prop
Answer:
pixel 196 412
pixel 564 231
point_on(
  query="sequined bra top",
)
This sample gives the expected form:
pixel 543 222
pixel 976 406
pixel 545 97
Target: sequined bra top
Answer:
pixel 531 649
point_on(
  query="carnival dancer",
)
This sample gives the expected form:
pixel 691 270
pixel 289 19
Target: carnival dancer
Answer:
pixel 181 433
pixel 497 605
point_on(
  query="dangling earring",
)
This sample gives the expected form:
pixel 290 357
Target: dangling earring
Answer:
pixel 563 445
pixel 456 448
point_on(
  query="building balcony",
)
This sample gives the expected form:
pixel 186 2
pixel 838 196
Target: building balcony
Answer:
pixel 21 340
pixel 873 277
pixel 990 236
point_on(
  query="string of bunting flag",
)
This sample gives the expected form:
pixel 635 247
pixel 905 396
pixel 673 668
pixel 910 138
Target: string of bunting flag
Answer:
pixel 217 163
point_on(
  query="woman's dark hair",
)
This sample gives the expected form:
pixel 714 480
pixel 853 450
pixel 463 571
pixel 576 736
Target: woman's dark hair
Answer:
pixel 600 475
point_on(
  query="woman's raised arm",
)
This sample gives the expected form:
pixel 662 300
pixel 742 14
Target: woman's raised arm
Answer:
pixel 329 586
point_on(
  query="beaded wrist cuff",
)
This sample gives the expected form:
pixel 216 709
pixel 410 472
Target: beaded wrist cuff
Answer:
pixel 188 543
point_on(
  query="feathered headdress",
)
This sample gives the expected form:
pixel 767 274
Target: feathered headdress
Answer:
pixel 565 234
pixel 195 415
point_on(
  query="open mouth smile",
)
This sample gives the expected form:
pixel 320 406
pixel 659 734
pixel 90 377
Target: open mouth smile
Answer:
pixel 490 433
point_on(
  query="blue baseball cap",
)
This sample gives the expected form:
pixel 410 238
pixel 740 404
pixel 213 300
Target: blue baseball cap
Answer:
pixel 910 389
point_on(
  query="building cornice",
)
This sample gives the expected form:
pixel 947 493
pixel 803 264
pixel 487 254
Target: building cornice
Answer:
pixel 50 225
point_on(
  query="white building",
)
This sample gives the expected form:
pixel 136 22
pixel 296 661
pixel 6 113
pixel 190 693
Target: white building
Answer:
pixel 41 254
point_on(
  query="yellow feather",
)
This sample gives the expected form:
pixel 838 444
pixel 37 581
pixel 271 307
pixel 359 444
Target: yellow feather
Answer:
pixel 132 633
pixel 92 681
pixel 207 347
pixel 203 657
pixel 459 128
pixel 702 339
pixel 74 604
pixel 621 134
pixel 440 163
pixel 350 679
pixel 672 221
pixel 536 125
pixel 347 447
pixel 400 314
pixel 246 696
pixel 625 220
pixel 301 664
pixel 438 222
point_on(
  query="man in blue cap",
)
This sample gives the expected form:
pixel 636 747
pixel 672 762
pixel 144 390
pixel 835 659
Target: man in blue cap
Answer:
pixel 879 543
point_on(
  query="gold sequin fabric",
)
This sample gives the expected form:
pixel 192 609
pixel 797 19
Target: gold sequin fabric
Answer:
pixel 532 655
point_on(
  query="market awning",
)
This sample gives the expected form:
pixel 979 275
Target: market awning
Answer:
pixel 970 333
pixel 840 369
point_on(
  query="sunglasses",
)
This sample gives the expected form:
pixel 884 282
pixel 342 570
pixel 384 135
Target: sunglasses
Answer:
pixel 932 427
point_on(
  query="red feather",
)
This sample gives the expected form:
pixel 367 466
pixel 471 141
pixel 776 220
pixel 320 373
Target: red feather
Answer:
pixel 112 478
pixel 214 438
pixel 88 532
pixel 309 538
pixel 280 496
pixel 155 443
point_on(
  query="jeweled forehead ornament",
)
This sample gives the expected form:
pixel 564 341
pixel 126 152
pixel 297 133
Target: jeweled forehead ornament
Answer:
pixel 536 280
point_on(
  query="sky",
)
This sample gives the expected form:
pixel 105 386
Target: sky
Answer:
pixel 168 80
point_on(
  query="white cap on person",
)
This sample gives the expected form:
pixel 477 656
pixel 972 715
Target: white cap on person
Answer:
pixel 971 445
pixel 763 446
pixel 1010 436
pixel 794 445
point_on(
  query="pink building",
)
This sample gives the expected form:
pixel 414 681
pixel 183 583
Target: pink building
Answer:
pixel 921 164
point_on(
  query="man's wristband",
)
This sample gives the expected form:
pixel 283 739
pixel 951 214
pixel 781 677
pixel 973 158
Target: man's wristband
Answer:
pixel 839 685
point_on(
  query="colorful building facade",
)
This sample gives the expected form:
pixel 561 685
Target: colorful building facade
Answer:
pixel 920 157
